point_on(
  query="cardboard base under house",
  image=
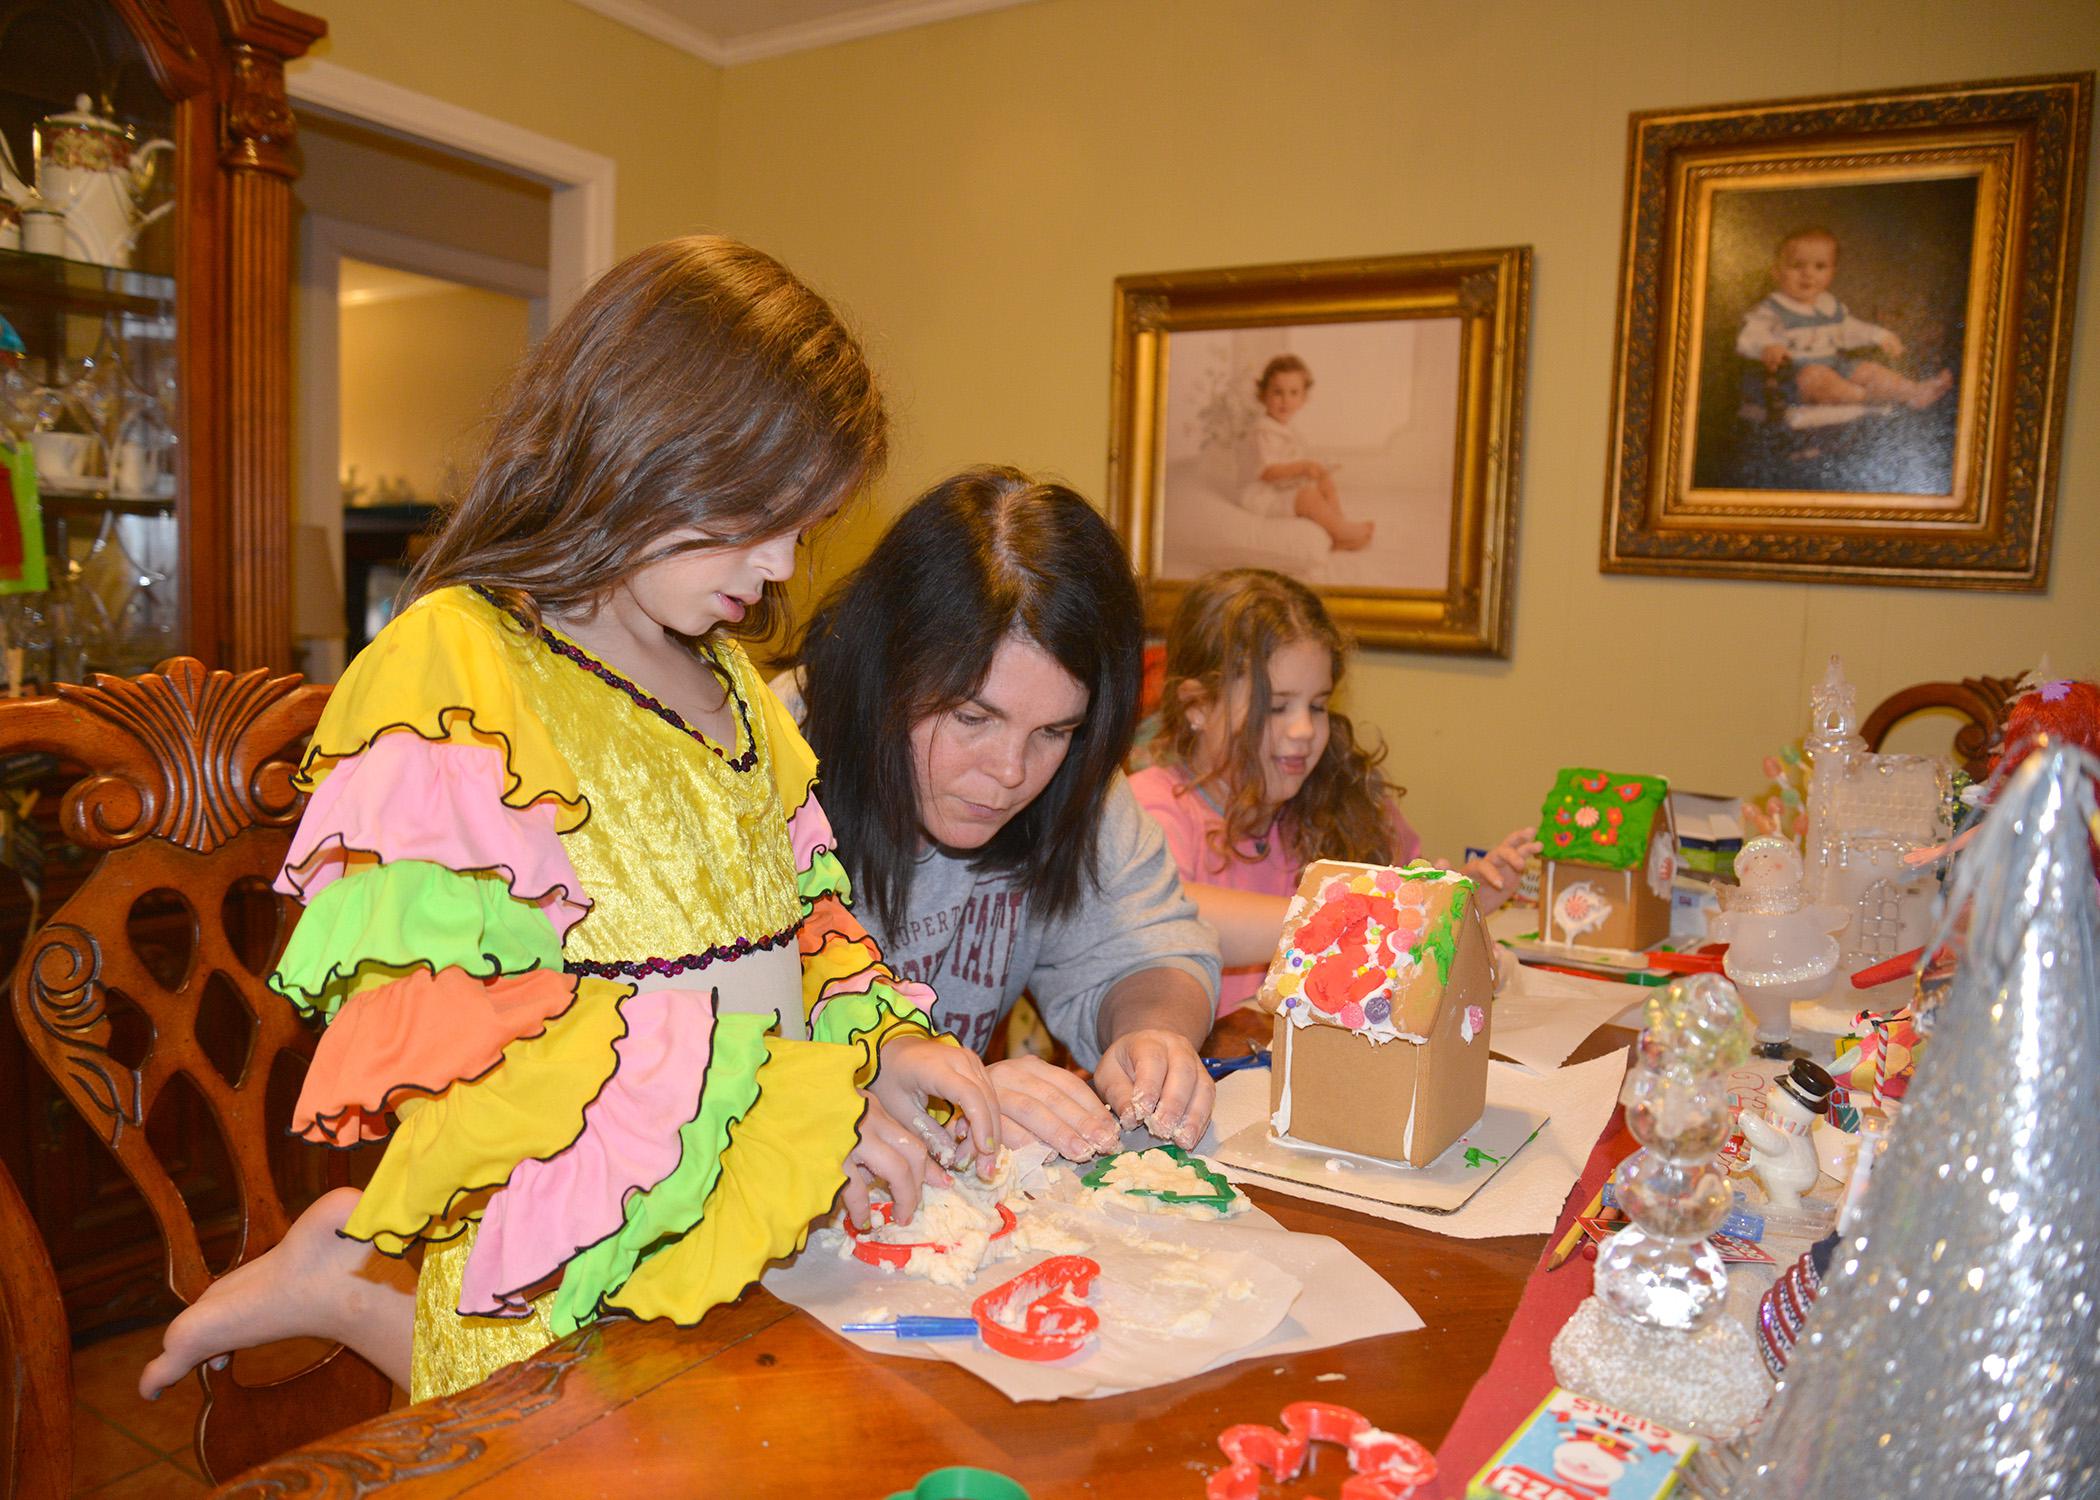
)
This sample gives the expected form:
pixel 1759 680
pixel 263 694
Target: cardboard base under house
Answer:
pixel 1443 1186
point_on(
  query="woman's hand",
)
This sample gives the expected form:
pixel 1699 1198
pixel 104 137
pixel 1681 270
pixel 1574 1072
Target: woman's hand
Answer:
pixel 887 1153
pixel 1495 873
pixel 1154 1077
pixel 1039 1101
pixel 917 1068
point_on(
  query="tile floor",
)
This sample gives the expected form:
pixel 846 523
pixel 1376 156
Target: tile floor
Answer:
pixel 128 1449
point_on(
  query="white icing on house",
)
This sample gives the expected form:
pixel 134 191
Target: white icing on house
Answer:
pixel 1349 955
pixel 1580 908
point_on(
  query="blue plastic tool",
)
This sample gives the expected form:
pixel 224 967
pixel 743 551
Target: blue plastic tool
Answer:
pixel 1218 1067
pixel 918 1327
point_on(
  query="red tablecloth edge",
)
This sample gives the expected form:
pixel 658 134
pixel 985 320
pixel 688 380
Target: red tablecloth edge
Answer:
pixel 1521 1373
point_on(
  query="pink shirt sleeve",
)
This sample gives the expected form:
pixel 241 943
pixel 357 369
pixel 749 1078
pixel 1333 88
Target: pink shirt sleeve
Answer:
pixel 1180 818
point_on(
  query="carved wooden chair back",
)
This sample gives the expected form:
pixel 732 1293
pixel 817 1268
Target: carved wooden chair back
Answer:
pixel 1980 700
pixel 36 1455
pixel 188 797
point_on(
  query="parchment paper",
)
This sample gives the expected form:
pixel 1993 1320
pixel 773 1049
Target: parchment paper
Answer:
pixel 1301 1292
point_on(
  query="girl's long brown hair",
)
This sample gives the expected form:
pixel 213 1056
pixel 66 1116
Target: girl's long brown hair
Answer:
pixel 1228 626
pixel 697 384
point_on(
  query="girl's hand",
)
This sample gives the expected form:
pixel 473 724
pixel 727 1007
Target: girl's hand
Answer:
pixel 1495 873
pixel 1039 1101
pixel 917 1068
pixel 1774 356
pixel 1891 345
pixel 887 1153
pixel 1154 1077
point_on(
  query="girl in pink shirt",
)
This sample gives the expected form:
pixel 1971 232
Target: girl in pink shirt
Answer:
pixel 1255 776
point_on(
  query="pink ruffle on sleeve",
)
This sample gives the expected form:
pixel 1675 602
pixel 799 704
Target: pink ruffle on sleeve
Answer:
pixel 808 831
pixel 551 1209
pixel 405 797
pixel 909 990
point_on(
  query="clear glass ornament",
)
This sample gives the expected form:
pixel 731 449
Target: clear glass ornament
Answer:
pixel 1660 1271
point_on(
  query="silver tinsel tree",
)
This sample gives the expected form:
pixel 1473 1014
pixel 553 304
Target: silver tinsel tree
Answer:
pixel 1956 1349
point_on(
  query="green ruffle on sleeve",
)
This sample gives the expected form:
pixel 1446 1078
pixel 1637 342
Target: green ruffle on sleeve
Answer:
pixel 824 877
pixel 387 920
pixel 675 1205
pixel 867 1019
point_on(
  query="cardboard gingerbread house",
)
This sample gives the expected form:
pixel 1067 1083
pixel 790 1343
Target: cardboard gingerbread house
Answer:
pixel 1610 857
pixel 1382 988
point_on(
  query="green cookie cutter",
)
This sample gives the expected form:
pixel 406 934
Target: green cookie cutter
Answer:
pixel 1219 1197
pixel 963 1484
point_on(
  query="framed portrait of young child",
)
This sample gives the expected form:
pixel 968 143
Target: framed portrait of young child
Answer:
pixel 1844 332
pixel 1354 423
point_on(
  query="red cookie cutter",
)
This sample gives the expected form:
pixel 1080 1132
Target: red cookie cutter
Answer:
pixel 1382 1465
pixel 1054 1322
pixel 880 1253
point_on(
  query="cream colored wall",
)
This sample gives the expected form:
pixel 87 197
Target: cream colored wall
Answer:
pixel 556 68
pixel 417 377
pixel 970 190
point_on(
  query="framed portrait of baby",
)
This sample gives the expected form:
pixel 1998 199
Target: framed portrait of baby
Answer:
pixel 1353 423
pixel 1844 332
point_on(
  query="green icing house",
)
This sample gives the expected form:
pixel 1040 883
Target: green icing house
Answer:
pixel 1611 853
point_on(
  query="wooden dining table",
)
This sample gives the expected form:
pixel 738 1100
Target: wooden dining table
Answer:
pixel 759 1399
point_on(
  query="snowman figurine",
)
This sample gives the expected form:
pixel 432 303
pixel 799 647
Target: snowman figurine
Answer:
pixel 1782 1151
pixel 1780 948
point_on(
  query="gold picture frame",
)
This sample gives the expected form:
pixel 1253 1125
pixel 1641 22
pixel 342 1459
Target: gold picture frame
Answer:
pixel 1894 418
pixel 1413 384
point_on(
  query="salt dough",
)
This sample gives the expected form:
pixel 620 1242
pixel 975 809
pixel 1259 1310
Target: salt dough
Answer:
pixel 963 1217
pixel 1134 1176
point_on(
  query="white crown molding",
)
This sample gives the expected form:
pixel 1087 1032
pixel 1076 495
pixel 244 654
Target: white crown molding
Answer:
pixel 640 16
pixel 800 36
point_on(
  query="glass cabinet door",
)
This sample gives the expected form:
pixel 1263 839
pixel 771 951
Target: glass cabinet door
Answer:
pixel 90 570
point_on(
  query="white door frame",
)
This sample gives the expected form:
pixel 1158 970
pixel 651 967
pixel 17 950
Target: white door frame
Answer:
pixel 580 242
pixel 579 248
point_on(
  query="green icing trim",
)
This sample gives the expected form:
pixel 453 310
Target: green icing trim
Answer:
pixel 1441 938
pixel 1219 1197
pixel 405 915
pixel 824 877
pixel 675 1205
pixel 1577 820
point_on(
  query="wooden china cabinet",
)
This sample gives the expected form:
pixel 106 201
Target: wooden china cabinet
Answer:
pixel 166 347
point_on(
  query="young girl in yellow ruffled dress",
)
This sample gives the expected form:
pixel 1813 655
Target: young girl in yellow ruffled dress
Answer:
pixel 572 916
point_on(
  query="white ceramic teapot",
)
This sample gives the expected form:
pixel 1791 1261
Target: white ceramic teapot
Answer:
pixel 93 171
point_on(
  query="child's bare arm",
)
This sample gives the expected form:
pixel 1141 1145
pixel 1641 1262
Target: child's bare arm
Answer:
pixel 1247 922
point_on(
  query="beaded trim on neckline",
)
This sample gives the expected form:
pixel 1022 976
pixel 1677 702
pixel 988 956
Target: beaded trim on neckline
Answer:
pixel 641 968
pixel 569 651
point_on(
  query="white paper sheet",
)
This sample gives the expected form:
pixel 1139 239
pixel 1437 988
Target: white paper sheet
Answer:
pixel 1524 1198
pixel 1302 1292
pixel 1542 1017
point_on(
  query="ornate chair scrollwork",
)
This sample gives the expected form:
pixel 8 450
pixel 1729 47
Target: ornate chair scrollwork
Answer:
pixel 188 799
pixel 1980 700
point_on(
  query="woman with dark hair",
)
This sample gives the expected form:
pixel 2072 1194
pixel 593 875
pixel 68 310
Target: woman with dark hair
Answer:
pixel 971 691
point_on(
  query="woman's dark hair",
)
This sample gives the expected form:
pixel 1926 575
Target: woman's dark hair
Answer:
pixel 1218 649
pixel 987 554
pixel 697 384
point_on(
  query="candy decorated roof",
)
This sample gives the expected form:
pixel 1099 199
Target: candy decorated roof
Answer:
pixel 1369 948
pixel 1601 817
